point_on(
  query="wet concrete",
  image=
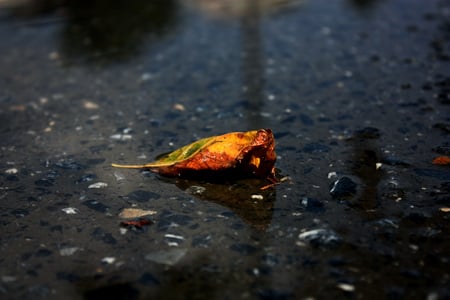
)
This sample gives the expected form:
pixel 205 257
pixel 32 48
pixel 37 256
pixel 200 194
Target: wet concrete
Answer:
pixel 356 92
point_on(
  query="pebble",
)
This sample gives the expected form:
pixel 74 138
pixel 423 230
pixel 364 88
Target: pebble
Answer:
pixel 68 251
pixel 319 237
pixel 90 105
pixel 346 287
pixel 108 260
pixel 121 137
pixel 195 190
pixel 179 107
pixel 257 197
pixel 70 210
pixel 98 185
pixel 343 188
pixel 11 171
pixel 174 236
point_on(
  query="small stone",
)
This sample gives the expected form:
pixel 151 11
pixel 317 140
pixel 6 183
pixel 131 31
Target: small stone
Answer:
pixel 195 190
pixel 257 197
pixel 11 171
pixel 332 175
pixel 130 213
pixel 68 251
pixel 121 137
pixel 173 240
pixel 179 107
pixel 90 105
pixel 346 287
pixel 70 210
pixel 98 185
pixel 319 237
pixel 174 236
pixel 108 260
pixel 343 188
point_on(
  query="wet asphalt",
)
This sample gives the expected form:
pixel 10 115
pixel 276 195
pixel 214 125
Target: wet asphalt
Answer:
pixel 356 93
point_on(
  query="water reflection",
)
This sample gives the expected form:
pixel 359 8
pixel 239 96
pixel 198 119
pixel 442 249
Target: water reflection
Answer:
pixel 103 30
pixel 252 65
pixel 241 8
pixel 365 156
pixel 363 4
pixel 249 14
pixel 244 197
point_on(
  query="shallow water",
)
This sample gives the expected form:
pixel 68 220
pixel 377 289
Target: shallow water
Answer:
pixel 356 92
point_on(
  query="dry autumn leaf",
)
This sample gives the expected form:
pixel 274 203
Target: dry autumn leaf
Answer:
pixel 130 213
pixel 250 153
pixel 441 160
pixel 137 224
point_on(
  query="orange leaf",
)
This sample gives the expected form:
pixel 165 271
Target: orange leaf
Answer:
pixel 138 223
pixel 441 160
pixel 250 153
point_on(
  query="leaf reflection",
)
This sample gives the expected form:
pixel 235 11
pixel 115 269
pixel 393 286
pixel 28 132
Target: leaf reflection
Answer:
pixel 244 198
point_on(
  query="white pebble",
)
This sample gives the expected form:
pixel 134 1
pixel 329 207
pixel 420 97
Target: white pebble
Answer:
pixel 121 137
pixel 70 210
pixel 173 236
pixel 332 175
pixel 346 287
pixel 258 197
pixel 12 171
pixel 98 185
pixel 108 260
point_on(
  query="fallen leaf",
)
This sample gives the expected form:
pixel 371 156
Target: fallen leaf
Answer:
pixel 250 153
pixel 130 213
pixel 137 223
pixel 441 160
